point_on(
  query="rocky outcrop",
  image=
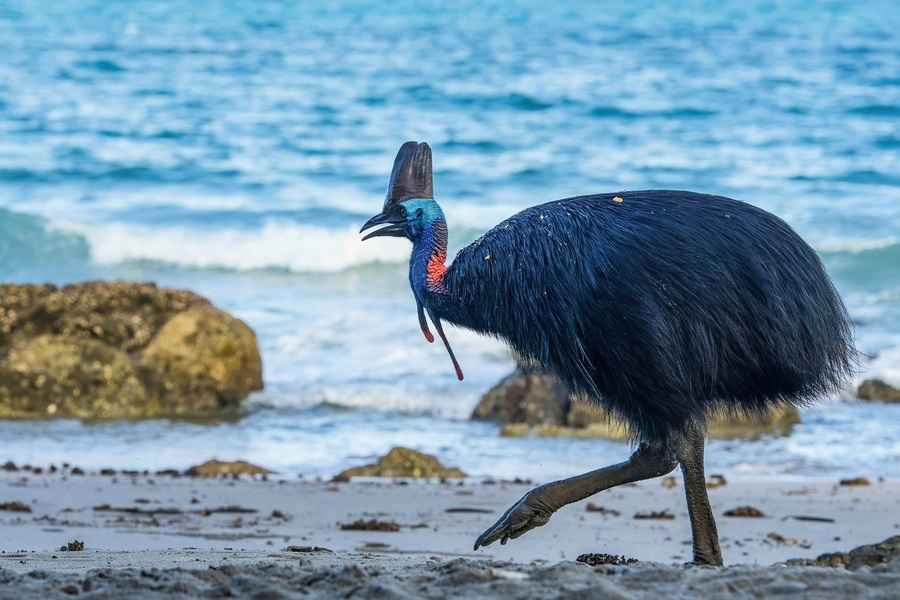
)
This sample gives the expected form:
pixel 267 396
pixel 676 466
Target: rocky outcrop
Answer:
pixel 106 350
pixel 878 391
pixel 534 402
pixel 403 462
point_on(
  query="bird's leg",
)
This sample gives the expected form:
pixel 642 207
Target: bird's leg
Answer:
pixel 689 450
pixel 535 508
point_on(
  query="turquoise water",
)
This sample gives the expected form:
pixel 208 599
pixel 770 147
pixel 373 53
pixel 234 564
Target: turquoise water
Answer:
pixel 235 148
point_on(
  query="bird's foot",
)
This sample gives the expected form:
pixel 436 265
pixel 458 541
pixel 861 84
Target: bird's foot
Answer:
pixel 532 510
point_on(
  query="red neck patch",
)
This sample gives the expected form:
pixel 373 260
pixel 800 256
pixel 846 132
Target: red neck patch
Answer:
pixel 436 269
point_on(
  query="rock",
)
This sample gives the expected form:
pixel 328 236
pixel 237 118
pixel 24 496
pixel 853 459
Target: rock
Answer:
pixel 370 525
pixel 610 431
pixel 123 315
pixel 716 481
pixel 525 396
pixel 750 512
pixel 110 350
pixel 778 421
pixel 869 555
pixel 206 355
pixel 220 468
pixel 54 375
pixel 73 546
pixel 15 506
pixel 533 402
pixel 875 554
pixel 16 304
pixel 403 462
pixel 878 391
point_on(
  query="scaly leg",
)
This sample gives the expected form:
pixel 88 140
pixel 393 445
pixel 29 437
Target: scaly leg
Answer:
pixel 535 508
pixel 689 450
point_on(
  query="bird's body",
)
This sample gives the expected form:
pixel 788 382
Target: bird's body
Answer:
pixel 661 305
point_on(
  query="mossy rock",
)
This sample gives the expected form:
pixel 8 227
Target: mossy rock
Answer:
pixel 108 350
pixel 870 555
pixel 124 315
pixel 525 396
pixel 205 355
pixel 778 422
pixel 404 462
pixel 56 376
pixel 534 402
pixel 878 390
pixel 221 468
pixel 608 431
pixel 593 421
pixel 17 303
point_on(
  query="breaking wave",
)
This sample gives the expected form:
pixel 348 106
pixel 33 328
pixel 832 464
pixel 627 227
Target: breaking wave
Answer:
pixel 275 245
pixel 30 240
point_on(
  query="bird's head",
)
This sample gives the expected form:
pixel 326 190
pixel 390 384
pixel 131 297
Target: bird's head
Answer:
pixel 409 207
pixel 410 211
pixel 407 218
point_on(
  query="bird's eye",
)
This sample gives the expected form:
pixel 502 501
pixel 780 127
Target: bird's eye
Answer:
pixel 403 212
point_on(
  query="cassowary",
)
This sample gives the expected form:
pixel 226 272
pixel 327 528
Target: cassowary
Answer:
pixel 663 306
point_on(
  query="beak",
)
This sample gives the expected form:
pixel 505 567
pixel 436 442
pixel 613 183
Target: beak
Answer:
pixel 396 226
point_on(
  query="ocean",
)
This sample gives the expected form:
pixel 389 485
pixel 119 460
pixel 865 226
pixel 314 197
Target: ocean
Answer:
pixel 235 148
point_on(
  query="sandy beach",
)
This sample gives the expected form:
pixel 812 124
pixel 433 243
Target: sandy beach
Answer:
pixel 229 230
pixel 156 535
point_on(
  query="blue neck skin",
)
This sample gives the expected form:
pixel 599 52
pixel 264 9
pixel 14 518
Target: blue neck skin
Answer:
pixel 429 251
pixel 427 229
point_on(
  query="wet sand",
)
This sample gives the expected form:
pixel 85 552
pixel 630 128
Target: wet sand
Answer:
pixel 159 534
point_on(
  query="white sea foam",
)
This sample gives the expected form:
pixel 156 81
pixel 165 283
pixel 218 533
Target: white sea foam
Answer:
pixel 855 245
pixel 277 245
pixel 886 366
pixel 305 247
pixel 300 247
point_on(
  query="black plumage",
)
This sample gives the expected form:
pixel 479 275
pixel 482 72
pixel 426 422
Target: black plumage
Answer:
pixel 662 305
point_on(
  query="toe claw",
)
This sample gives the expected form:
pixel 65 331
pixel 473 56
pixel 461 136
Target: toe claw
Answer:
pixel 485 538
pixel 521 518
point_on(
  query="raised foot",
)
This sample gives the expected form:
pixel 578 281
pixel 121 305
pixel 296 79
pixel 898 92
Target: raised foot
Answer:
pixel 531 511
